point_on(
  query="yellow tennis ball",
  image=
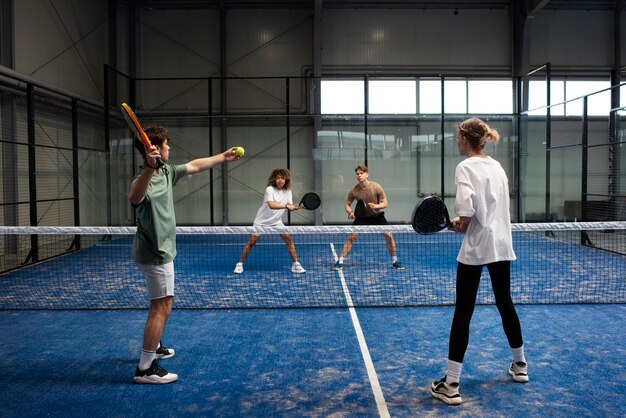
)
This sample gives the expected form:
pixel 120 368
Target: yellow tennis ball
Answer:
pixel 239 151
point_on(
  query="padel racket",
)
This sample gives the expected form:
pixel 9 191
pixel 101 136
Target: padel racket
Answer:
pixel 310 201
pixel 135 126
pixel 360 210
pixel 430 215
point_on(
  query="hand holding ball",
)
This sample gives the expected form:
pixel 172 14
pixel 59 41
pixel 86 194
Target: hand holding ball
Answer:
pixel 239 151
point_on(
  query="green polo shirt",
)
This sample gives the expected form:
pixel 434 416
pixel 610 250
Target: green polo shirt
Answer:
pixel 155 240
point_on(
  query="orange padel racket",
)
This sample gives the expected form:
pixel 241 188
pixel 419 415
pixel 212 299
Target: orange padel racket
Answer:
pixel 134 124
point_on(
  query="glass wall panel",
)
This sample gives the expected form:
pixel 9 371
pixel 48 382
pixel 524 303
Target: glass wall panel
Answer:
pixel 266 150
pixel 92 192
pixel 533 171
pixel 393 163
pixel 302 167
pixel 565 179
pixel 340 148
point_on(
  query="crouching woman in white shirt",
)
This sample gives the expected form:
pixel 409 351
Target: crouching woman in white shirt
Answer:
pixel 276 200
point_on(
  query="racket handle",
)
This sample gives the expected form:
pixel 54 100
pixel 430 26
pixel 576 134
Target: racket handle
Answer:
pixel 159 162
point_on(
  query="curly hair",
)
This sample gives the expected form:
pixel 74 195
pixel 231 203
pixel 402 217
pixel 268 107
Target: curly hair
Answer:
pixel 157 135
pixel 282 172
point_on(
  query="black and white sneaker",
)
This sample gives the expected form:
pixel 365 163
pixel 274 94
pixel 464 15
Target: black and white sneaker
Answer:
pixel 155 375
pixel 519 371
pixel 446 392
pixel 163 353
pixel 398 265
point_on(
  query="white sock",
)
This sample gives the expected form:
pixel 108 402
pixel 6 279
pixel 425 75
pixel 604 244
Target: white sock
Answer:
pixel 518 354
pixel 454 372
pixel 340 260
pixel 394 259
pixel 146 359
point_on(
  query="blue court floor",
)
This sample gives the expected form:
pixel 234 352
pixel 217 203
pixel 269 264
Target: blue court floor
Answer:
pixel 308 363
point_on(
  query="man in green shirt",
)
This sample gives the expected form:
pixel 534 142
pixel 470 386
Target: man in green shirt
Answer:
pixel 154 246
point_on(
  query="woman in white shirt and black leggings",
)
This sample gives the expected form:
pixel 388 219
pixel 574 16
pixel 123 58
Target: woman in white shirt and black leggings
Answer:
pixel 482 209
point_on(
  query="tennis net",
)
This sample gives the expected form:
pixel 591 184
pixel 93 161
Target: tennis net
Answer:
pixel 92 267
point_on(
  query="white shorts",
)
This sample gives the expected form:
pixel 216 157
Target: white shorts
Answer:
pixel 159 279
pixel 279 223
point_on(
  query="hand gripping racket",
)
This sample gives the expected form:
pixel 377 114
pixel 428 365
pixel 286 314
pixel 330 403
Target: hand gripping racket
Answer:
pixel 310 201
pixel 135 126
pixel 430 215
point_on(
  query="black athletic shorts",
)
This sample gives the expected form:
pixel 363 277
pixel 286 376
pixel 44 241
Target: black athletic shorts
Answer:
pixel 372 220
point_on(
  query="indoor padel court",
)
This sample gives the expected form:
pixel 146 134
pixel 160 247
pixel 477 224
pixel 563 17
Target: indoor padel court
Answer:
pixel 255 209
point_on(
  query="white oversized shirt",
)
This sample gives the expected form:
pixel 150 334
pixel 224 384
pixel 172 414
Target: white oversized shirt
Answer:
pixel 267 216
pixel 482 193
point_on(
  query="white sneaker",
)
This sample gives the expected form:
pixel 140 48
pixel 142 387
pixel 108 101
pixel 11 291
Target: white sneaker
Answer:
pixel 163 352
pixel 155 375
pixel 238 268
pixel 446 392
pixel 297 268
pixel 519 371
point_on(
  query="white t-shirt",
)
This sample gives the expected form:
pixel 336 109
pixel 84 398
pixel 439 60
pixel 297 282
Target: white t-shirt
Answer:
pixel 482 193
pixel 267 216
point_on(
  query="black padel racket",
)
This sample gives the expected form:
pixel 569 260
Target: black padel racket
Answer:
pixel 430 215
pixel 360 211
pixel 310 201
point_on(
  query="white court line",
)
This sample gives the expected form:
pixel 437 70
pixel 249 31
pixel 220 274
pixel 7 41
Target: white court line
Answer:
pixel 369 365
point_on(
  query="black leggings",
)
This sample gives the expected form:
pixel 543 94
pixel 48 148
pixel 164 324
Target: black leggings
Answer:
pixel 467 281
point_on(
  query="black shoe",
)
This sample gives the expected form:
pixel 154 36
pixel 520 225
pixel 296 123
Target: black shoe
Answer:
pixel 398 265
pixel 162 352
pixel 154 374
